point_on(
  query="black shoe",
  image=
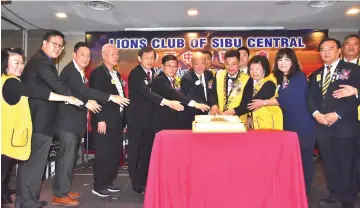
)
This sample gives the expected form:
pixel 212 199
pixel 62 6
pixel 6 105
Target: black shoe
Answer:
pixel 139 190
pixel 43 203
pixel 347 205
pixel 6 198
pixel 113 189
pixel 329 203
pixel 101 193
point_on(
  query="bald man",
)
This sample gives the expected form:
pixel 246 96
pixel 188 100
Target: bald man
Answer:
pixel 108 124
pixel 195 84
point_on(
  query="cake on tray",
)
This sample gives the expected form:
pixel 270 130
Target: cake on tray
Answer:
pixel 218 123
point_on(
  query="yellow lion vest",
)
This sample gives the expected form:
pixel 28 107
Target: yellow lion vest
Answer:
pixel 16 127
pixel 234 99
pixel 358 63
pixel 267 117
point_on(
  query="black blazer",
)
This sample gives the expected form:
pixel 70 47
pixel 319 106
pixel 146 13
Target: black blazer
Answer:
pixel 346 108
pixel 196 93
pixel 141 98
pixel 71 118
pixel 100 79
pixel 163 116
pixel 41 74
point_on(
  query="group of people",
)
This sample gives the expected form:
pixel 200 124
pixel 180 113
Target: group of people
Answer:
pixel 321 107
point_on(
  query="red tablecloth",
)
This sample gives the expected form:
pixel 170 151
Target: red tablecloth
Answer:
pixel 259 169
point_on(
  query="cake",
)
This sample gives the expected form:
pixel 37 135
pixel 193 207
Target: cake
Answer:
pixel 218 123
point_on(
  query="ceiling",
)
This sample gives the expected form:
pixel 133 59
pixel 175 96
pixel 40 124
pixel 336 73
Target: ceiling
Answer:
pixel 135 14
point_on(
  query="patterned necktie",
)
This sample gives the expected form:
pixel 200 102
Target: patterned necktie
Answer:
pixel 149 76
pixel 326 82
pixel 200 78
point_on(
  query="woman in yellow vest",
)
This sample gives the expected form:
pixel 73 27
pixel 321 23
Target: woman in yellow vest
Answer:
pixel 16 127
pixel 268 117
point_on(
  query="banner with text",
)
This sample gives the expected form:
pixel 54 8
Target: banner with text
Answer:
pixel 183 44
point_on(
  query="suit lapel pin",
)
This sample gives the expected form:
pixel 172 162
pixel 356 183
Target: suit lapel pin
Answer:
pixel 197 82
pixel 113 81
pixel 146 81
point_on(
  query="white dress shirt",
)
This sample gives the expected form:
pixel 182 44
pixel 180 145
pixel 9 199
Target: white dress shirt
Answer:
pixel 117 84
pixel 332 69
pixel 354 61
pixel 230 83
pixel 80 71
pixel 203 83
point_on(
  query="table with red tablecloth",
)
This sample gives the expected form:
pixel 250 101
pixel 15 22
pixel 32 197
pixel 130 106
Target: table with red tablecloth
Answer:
pixel 256 169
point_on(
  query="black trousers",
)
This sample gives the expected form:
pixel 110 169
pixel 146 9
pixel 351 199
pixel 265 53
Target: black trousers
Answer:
pixel 65 163
pixel 338 156
pixel 6 165
pixel 139 152
pixel 30 172
pixel 357 150
pixel 307 143
pixel 107 156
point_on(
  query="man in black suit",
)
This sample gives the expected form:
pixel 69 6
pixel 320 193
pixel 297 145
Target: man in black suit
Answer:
pixel 168 87
pixel 39 74
pixel 107 125
pixel 195 84
pixel 73 121
pixel 140 133
pixel 336 123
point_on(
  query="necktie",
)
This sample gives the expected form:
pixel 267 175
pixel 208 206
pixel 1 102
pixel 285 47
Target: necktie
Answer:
pixel 172 83
pixel 326 82
pixel 200 78
pixel 148 76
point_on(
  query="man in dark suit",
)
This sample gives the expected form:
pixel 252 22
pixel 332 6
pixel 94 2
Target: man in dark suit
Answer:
pixel 168 87
pixel 195 84
pixel 39 74
pixel 108 125
pixel 73 121
pixel 140 133
pixel 336 123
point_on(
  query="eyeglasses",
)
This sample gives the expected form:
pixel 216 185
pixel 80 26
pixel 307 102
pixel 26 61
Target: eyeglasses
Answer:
pixel 174 67
pixel 57 45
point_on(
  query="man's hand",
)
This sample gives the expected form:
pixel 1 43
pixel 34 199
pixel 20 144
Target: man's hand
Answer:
pixel 320 118
pixel 174 104
pixel 229 112
pixel 74 101
pixel 93 106
pixel 120 100
pixel 331 118
pixel 256 104
pixel 202 107
pixel 102 127
pixel 215 110
pixel 345 91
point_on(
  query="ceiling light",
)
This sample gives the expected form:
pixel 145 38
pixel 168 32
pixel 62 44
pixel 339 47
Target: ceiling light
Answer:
pixel 353 11
pixel 192 12
pixel 61 15
pixel 99 5
pixel 320 4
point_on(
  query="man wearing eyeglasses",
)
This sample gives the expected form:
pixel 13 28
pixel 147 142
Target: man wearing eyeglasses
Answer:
pixel 39 74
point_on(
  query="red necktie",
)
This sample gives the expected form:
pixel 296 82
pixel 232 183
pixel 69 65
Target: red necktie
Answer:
pixel 149 76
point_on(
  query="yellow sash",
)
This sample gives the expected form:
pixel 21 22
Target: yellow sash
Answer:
pixel 234 99
pixel 267 117
pixel 16 127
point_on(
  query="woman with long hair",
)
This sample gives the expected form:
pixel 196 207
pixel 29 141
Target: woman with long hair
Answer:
pixel 292 99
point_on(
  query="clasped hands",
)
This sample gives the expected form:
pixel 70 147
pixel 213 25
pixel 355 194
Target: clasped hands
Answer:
pixel 326 119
